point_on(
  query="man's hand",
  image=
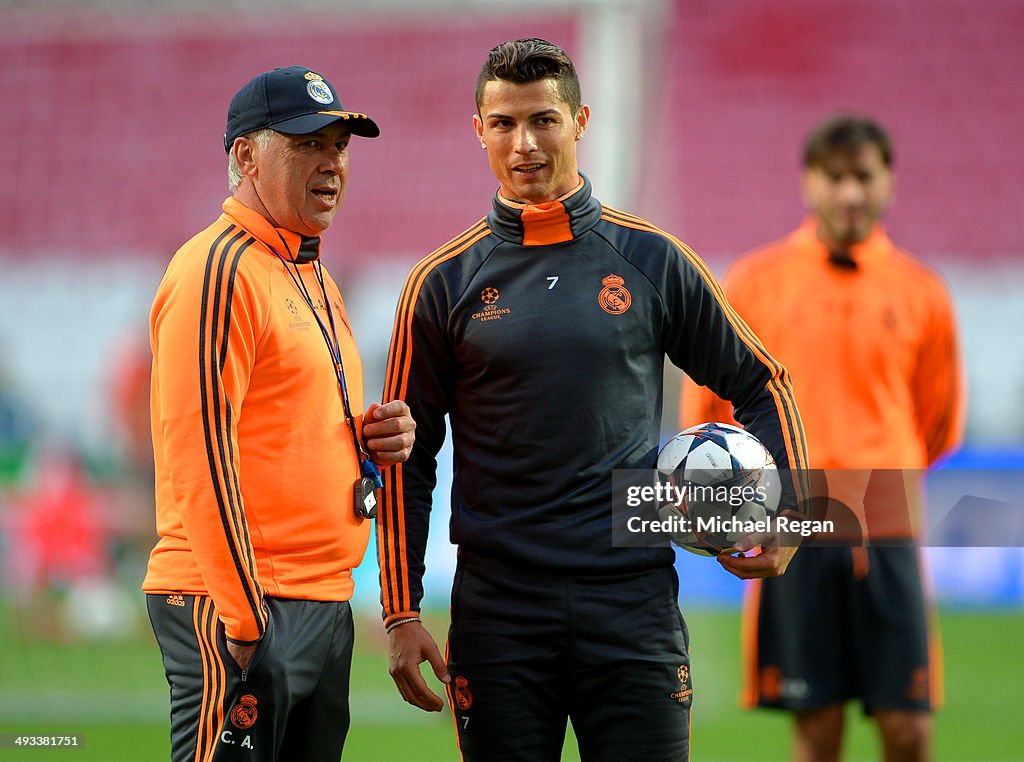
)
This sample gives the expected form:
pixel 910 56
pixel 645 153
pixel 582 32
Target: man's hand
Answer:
pixel 388 431
pixel 411 645
pixel 770 562
pixel 242 654
pixel 770 553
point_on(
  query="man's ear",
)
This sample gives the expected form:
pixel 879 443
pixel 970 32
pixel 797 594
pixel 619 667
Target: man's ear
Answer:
pixel 582 119
pixel 478 128
pixel 245 155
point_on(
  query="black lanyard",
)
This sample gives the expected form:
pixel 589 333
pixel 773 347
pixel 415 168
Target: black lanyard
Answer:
pixel 366 466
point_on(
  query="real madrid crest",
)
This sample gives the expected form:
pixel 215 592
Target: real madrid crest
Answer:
pixel 319 91
pixel 243 715
pixel 614 297
pixel 463 696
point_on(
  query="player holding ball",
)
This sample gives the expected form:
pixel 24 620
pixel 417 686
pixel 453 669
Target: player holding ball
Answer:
pixel 542 332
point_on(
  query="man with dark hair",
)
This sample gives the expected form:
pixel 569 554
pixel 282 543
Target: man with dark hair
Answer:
pixel 845 136
pixel 870 337
pixel 265 468
pixel 541 332
pixel 529 60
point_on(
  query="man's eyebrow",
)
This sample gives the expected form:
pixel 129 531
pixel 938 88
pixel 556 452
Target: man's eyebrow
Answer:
pixel 545 112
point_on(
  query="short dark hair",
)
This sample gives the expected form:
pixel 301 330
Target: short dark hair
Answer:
pixel 844 134
pixel 530 59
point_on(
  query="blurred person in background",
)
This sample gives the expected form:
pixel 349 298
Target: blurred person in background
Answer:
pixel 130 497
pixel 869 334
pixel 57 564
pixel 58 534
pixel 542 332
pixel 129 384
pixel 265 471
pixel 18 431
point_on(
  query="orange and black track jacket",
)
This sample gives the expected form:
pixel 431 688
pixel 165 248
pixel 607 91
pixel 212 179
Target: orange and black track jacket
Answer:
pixel 254 463
pixel 542 332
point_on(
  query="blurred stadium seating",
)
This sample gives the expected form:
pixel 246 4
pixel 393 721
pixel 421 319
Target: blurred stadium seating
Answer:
pixel 743 81
pixel 112 157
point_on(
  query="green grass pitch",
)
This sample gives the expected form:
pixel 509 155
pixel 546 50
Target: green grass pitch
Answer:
pixel 113 694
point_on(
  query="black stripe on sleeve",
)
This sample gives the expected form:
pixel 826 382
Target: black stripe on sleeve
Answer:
pixel 208 360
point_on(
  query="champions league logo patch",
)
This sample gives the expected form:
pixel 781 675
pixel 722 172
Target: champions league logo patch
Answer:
pixel 490 296
pixel 685 691
pixel 320 92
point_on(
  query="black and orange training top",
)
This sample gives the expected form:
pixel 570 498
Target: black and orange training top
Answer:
pixel 542 332
pixel 254 465
pixel 872 349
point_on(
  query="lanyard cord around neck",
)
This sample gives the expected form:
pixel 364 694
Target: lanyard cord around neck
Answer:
pixel 366 466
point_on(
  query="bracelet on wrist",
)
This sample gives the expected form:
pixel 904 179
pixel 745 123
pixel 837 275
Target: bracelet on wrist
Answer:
pixel 399 622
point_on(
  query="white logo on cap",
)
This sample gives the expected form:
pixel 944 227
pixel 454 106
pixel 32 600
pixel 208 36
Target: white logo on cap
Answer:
pixel 320 92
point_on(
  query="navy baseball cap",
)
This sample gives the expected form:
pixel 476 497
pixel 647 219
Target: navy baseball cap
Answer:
pixel 292 100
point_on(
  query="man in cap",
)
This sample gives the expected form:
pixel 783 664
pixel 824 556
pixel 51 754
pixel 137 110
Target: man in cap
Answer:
pixel 266 473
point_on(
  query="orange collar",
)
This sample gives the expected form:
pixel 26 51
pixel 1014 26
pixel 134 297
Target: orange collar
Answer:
pixel 873 248
pixel 551 222
pixel 295 247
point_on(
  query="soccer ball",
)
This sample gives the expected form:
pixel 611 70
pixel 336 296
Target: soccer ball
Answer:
pixel 722 485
